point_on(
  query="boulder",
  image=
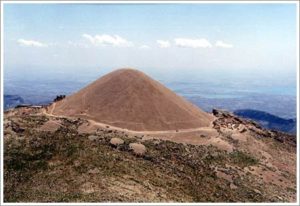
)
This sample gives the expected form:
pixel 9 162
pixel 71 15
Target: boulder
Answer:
pixel 138 148
pixel 116 141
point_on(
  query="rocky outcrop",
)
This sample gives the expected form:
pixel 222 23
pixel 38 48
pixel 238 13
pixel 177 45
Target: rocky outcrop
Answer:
pixel 227 120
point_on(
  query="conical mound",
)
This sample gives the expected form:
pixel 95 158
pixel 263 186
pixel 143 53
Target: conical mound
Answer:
pixel 129 99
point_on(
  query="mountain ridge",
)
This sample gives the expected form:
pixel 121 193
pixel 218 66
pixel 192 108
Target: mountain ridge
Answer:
pixel 268 120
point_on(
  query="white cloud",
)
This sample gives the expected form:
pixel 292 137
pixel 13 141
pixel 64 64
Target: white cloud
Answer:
pixel 144 47
pixel 192 43
pixel 223 44
pixel 104 39
pixel 163 44
pixel 31 43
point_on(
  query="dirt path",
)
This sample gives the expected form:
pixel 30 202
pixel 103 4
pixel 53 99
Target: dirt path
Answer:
pixel 151 132
pixel 190 136
pixel 103 125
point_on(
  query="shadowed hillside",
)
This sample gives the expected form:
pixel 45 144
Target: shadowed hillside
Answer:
pixel 269 121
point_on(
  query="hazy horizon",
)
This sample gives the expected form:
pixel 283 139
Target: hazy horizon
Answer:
pixel 201 51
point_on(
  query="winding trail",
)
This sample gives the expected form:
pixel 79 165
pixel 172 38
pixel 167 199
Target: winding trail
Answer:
pixel 103 125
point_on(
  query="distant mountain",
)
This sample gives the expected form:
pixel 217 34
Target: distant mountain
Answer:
pixel 12 101
pixel 268 120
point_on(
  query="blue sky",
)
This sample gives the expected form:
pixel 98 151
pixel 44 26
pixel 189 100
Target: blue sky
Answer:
pixel 250 37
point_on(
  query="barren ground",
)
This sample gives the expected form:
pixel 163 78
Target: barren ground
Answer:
pixel 51 158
